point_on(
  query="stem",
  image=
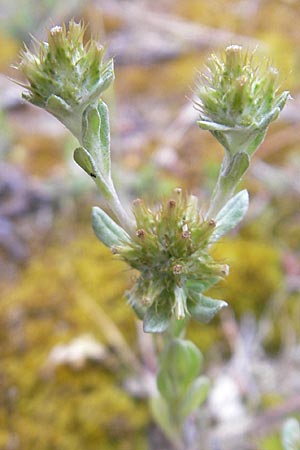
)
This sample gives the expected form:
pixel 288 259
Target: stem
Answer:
pixel 220 195
pixel 219 198
pixel 126 221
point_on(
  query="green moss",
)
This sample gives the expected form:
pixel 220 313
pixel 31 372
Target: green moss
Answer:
pixel 255 274
pixel 66 409
pixel 271 442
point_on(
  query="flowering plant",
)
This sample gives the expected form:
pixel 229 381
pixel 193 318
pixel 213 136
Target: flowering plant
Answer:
pixel 169 244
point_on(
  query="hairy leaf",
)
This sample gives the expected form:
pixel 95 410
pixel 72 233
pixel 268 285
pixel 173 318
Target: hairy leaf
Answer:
pixel 231 214
pixel 110 233
pixel 204 308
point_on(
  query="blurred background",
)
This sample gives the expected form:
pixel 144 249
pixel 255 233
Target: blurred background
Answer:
pixel 69 343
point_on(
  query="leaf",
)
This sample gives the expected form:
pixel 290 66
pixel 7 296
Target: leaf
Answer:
pixel 291 435
pixel 106 78
pixel 69 117
pixel 110 233
pixel 134 300
pixel 212 126
pixel 195 396
pixel 239 163
pixel 57 106
pixel 230 215
pixel 87 163
pixel 104 135
pixel 157 318
pixel 203 308
pixel 202 285
pixel 96 136
pixel 161 414
pixel 180 364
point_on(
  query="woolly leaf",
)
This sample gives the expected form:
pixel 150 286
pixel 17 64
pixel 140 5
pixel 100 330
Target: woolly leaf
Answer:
pixel 180 365
pixel 157 318
pixel 110 233
pixel 204 308
pixel 87 163
pixel 161 414
pixel 230 215
pixel 96 136
pixel 195 396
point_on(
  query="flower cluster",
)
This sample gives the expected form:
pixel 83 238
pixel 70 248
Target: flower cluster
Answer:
pixel 170 249
pixel 237 99
pixel 64 74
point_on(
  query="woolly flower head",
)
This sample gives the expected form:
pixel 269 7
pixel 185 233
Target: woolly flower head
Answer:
pixel 238 98
pixel 64 74
pixel 170 248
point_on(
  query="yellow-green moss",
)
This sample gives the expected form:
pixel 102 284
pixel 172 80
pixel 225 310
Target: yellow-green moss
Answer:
pixel 66 409
pixel 255 274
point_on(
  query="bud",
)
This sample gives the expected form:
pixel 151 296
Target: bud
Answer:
pixel 65 75
pixel 238 98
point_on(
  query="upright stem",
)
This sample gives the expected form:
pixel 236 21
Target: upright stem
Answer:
pixel 220 195
pixel 127 222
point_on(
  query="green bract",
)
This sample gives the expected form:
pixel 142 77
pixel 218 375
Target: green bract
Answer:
pixel 65 75
pixel 237 99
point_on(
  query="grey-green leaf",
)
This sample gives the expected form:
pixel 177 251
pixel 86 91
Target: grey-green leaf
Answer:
pixel 291 434
pixel 204 308
pixel 105 80
pixel 96 136
pixel 212 126
pixel 230 215
pixel 161 414
pixel 204 284
pixel 180 364
pixel 157 318
pixel 195 396
pixel 110 233
pixel 87 163
pixel 239 163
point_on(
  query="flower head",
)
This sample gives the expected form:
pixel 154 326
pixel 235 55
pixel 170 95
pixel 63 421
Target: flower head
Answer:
pixel 237 99
pixel 64 74
pixel 171 251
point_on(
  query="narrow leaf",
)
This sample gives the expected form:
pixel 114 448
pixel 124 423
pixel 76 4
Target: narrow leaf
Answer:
pixel 96 136
pixel 104 136
pixel 212 126
pixel 231 214
pixel 180 364
pixel 157 318
pixel 87 163
pixel 203 308
pixel 195 396
pixel 239 163
pixel 161 414
pixel 204 284
pixel 110 233
pixel 106 78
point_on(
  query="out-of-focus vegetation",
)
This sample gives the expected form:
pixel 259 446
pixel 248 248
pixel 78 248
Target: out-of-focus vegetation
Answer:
pixel 59 284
